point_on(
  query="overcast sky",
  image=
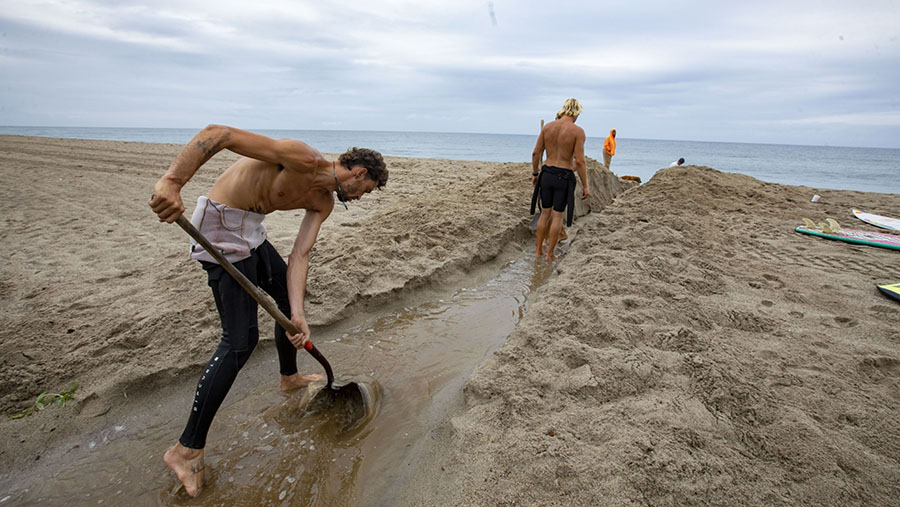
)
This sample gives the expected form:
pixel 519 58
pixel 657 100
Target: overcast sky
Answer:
pixel 793 72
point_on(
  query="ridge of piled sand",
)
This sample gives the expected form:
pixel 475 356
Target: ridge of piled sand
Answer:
pixel 693 350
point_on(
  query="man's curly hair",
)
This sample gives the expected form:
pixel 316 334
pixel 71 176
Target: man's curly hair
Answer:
pixel 370 159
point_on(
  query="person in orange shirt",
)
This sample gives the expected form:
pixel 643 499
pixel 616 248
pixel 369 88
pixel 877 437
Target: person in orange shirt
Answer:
pixel 609 148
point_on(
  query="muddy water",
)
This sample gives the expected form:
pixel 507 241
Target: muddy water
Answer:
pixel 265 449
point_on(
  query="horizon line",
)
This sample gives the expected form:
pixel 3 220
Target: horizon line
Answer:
pixel 440 132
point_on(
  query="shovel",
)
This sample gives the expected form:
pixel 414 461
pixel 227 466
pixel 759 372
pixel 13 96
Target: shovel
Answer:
pixel 351 400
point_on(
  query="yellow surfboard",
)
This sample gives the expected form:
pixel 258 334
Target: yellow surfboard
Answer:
pixel 891 290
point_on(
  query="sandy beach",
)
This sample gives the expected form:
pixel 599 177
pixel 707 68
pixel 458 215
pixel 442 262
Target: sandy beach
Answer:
pixel 688 348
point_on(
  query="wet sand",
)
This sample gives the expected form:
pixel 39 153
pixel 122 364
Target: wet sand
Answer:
pixel 692 348
pixel 413 354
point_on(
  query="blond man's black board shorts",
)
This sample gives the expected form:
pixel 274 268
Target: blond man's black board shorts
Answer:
pixel 556 188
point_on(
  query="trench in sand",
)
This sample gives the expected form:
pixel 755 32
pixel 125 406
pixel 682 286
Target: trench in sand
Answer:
pixel 415 354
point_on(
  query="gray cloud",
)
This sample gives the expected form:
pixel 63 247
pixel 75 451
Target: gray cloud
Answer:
pixel 805 72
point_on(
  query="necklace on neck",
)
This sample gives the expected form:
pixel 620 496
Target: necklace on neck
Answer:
pixel 340 192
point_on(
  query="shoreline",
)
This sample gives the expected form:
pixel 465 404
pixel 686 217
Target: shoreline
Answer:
pixel 834 167
pixel 692 348
pixel 429 132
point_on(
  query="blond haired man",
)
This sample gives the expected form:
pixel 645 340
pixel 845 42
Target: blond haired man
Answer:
pixel 563 141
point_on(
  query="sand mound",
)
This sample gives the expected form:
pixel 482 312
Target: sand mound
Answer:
pixel 693 349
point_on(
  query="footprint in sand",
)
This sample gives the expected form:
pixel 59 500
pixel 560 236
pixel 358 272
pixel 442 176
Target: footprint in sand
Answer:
pixel 846 322
pixel 881 365
pixel 774 281
pixel 768 281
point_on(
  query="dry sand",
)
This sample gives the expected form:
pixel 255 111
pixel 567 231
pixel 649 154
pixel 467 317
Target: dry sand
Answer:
pixel 692 348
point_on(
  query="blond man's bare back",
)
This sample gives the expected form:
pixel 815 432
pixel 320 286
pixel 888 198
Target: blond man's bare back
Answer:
pixel 560 138
pixel 563 142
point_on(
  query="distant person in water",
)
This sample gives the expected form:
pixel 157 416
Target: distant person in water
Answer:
pixel 271 175
pixel 677 163
pixel 554 182
pixel 609 148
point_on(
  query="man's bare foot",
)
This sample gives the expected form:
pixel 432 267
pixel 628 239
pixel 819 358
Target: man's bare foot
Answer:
pixel 550 256
pixel 188 467
pixel 563 235
pixel 296 381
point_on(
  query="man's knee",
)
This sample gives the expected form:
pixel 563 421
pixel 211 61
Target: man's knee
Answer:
pixel 243 354
pixel 241 339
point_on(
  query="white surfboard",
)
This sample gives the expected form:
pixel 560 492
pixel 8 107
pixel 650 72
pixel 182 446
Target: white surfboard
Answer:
pixel 878 220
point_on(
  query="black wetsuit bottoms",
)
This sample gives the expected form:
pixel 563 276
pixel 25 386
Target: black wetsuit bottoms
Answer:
pixel 556 187
pixel 240 334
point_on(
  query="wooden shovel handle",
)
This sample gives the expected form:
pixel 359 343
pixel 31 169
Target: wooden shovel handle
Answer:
pixel 254 292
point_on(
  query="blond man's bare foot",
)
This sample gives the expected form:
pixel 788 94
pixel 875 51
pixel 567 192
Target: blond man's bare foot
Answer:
pixel 188 467
pixel 296 381
pixel 550 257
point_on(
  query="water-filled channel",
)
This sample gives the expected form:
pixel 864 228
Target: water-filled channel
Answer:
pixel 263 449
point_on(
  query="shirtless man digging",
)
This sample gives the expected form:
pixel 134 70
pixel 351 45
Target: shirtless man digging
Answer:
pixel 555 182
pixel 272 175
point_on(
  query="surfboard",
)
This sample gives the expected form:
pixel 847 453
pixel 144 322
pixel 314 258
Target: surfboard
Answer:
pixel 877 220
pixel 891 290
pixel 856 236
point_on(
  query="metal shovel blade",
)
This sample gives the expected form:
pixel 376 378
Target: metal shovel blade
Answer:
pixel 348 405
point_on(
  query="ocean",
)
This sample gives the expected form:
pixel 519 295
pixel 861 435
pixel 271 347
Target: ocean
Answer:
pixel 843 168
